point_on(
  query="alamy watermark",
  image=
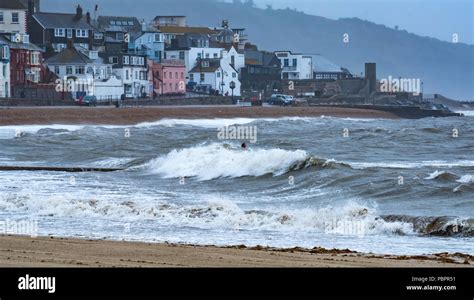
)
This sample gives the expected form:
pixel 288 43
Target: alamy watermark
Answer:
pixel 346 227
pixel 19 227
pixel 396 85
pixel 241 133
pixel 75 85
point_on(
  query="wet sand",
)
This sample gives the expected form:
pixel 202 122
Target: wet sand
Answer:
pixel 18 251
pixel 131 116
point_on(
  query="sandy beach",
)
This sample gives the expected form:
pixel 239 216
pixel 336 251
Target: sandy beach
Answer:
pixel 131 116
pixel 18 251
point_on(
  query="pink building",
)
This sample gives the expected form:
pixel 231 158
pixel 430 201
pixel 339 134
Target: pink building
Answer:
pixel 169 77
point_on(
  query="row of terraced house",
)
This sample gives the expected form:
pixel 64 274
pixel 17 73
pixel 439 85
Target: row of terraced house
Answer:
pixel 119 57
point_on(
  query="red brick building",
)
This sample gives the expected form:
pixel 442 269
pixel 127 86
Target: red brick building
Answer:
pixel 26 61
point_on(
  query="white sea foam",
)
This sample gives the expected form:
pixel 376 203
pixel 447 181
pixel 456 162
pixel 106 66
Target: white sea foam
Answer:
pixel 440 174
pixel 8 132
pixel 217 161
pixel 466 179
pixel 469 113
pixel 349 218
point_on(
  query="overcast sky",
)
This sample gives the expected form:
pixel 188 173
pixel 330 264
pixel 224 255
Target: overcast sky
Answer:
pixel 434 18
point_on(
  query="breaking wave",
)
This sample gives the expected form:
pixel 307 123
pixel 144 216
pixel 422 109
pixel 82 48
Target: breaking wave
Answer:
pixel 348 219
pixel 208 162
pixel 438 226
pixel 442 175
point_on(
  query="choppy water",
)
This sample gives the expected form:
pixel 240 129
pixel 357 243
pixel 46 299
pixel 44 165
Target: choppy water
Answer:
pixel 390 186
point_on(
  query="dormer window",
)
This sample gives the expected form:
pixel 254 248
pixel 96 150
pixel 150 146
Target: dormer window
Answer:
pixel 5 52
pixel 205 64
pixel 26 39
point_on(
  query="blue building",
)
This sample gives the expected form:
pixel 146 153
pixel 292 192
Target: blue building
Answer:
pixel 149 43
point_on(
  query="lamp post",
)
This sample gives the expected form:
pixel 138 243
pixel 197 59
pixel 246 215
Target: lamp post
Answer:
pixel 232 87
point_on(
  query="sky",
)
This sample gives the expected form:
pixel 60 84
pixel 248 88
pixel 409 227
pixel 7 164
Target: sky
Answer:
pixel 434 18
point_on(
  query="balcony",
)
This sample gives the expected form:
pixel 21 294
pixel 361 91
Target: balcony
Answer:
pixel 290 69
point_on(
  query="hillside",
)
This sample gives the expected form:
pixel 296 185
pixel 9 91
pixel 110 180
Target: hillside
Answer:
pixel 445 68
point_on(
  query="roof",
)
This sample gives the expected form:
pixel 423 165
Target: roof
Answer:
pixel 60 20
pixel 172 63
pixel 214 64
pixel 252 62
pixel 123 22
pixel 323 65
pixel 183 30
pixel 70 56
pixel 157 17
pixel 24 46
pixel 12 4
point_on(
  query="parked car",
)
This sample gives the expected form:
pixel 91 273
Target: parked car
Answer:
pixel 87 101
pixel 282 100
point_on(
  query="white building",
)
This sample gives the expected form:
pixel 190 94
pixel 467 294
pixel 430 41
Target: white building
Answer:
pixel 191 55
pixel 234 58
pixel 4 70
pixel 216 74
pixel 295 66
pixel 133 71
pixel 12 17
pixel 91 75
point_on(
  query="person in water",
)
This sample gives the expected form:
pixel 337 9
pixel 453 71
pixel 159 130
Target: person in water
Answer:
pixel 244 146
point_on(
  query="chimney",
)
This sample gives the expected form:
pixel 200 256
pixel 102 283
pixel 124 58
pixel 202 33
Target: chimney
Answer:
pixel 31 7
pixel 70 44
pixel 144 27
pixel 88 18
pixel 371 76
pixel 78 15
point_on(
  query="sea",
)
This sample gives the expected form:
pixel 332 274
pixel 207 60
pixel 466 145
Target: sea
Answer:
pixel 368 185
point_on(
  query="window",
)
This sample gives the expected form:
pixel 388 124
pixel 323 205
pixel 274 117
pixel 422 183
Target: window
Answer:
pixel 68 70
pixel 15 18
pixel 126 60
pixel 80 70
pixel 130 23
pixel 119 36
pixel 59 32
pixel 199 55
pixel 4 71
pixel 182 75
pixel 295 62
pixel 1 17
pixel 286 62
pixel 234 75
pixel 218 74
pixel 35 58
pixel 26 39
pixel 82 33
pixel 205 64
pixel 191 77
pixel 113 60
pixel 215 55
pixel 207 55
pixel 69 33
pixel 232 60
pixel 158 38
pixel 181 55
pixel 203 77
pixel 176 87
pixel 127 74
pixel 98 36
pixel 176 75
pixel 5 52
pixel 112 23
pixel 59 47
